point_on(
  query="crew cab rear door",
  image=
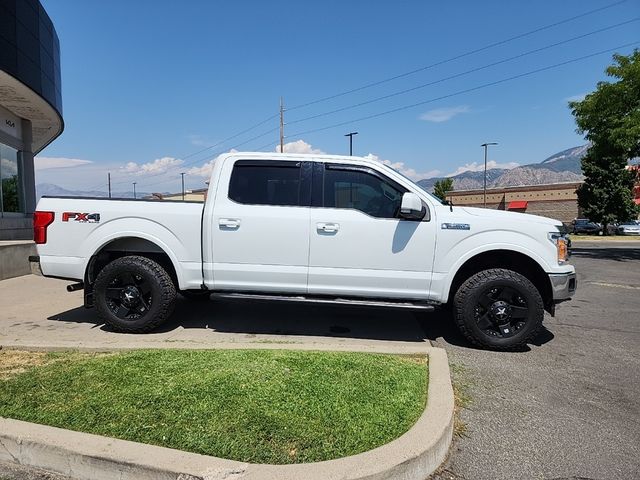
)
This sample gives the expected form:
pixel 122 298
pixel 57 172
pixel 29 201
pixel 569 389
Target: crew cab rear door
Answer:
pixel 359 246
pixel 260 228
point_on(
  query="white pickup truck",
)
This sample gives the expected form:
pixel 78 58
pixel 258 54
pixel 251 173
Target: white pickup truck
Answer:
pixel 314 228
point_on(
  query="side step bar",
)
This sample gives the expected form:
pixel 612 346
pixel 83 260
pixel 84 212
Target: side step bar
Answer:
pixel 327 300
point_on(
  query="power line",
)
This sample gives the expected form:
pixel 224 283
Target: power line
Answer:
pixel 457 57
pixel 467 72
pixel 209 157
pixel 460 92
pixel 442 62
pixel 231 137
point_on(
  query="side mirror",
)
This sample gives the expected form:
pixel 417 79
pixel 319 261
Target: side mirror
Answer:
pixel 411 207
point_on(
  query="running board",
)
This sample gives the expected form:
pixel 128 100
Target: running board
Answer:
pixel 326 300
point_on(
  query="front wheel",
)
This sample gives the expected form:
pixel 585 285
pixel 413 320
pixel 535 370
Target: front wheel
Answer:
pixel 498 309
pixel 134 294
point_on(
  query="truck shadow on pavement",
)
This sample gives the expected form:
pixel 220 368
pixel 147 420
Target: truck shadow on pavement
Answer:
pixel 617 254
pixel 275 321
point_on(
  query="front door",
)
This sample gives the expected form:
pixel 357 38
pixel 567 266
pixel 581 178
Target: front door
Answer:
pixel 261 226
pixel 359 246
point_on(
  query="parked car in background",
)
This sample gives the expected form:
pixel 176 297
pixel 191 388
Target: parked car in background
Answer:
pixel 629 228
pixel 584 225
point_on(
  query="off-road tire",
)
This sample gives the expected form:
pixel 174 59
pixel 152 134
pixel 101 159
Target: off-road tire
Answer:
pixel 162 290
pixel 468 295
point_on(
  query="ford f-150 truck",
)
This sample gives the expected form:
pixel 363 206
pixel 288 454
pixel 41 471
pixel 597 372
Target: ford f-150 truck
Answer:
pixel 314 228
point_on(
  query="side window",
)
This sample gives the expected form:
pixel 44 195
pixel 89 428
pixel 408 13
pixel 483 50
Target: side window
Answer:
pixel 261 183
pixel 362 191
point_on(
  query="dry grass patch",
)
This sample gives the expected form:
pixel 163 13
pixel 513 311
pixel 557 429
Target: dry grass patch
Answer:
pixel 15 362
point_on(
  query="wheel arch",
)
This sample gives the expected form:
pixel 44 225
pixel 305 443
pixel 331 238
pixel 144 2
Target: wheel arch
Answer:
pixel 508 259
pixel 122 247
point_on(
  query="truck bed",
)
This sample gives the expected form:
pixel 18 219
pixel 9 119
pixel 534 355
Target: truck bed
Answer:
pixel 84 225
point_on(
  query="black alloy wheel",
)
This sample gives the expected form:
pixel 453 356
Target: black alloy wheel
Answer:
pixel 129 296
pixel 501 311
pixel 134 294
pixel 498 309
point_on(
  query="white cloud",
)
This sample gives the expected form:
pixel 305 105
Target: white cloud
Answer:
pixel 159 165
pixel 444 114
pixel 202 171
pixel 299 146
pixel 575 98
pixel 479 167
pixel 205 170
pixel 198 140
pixel 43 163
pixel 8 167
pixel 404 169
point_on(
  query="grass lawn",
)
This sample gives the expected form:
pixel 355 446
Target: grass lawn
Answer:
pixel 262 406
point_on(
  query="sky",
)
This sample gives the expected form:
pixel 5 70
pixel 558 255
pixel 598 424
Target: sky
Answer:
pixel 149 85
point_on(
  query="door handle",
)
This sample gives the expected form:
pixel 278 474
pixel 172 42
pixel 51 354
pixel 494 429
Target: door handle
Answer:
pixel 328 227
pixel 229 223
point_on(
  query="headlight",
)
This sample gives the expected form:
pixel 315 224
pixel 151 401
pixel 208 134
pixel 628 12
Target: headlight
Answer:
pixel 562 246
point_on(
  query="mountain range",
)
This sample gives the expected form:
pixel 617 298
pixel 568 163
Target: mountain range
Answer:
pixel 563 166
pixel 50 189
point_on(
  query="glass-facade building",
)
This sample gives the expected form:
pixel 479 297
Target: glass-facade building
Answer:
pixel 30 107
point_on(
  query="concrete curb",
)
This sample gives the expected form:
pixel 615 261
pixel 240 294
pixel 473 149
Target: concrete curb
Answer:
pixel 415 455
pixel 14 258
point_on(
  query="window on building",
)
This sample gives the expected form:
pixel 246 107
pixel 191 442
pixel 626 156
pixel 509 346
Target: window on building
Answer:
pixel 362 191
pixel 9 193
pixel 266 183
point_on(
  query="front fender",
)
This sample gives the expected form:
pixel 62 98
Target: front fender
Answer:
pixel 453 252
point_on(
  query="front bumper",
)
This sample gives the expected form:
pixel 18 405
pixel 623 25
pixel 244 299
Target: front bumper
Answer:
pixel 563 285
pixel 34 263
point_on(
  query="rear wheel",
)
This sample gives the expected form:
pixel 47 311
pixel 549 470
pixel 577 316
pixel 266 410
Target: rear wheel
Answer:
pixel 498 309
pixel 134 294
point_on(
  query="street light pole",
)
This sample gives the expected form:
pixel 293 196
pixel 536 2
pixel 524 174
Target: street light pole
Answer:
pixel 350 135
pixel 486 145
pixel 182 175
pixel 134 190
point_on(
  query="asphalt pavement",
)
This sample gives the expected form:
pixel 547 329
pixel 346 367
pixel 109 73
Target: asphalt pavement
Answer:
pixel 567 407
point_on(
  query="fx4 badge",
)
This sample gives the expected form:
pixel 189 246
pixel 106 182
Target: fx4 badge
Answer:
pixel 81 217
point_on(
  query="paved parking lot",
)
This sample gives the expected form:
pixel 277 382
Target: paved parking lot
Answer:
pixel 567 407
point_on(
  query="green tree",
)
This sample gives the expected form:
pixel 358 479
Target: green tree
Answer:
pixel 442 187
pixel 609 118
pixel 10 194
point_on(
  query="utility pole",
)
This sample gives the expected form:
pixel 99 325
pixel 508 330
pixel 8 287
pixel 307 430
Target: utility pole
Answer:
pixel 281 125
pixel 350 135
pixel 134 190
pixel 182 174
pixel 486 145
pixel 109 183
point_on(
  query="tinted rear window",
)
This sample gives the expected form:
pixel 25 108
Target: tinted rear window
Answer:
pixel 265 184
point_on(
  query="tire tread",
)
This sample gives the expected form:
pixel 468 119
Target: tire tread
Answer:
pixel 483 277
pixel 166 301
